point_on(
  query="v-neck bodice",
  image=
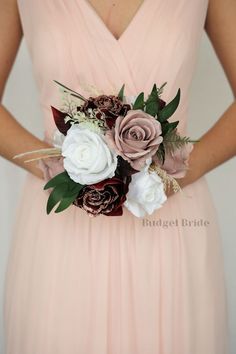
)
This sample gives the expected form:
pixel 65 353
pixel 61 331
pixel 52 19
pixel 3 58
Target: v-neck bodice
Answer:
pixel 70 43
pixel 135 16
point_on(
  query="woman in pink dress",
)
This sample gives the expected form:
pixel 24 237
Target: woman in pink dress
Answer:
pixel 116 285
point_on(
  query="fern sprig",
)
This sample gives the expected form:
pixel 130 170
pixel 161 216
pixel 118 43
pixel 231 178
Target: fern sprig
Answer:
pixel 173 141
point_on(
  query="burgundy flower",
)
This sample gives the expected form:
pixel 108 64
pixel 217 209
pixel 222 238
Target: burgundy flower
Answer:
pixel 59 118
pixel 105 197
pixel 124 168
pixel 110 103
pixel 109 108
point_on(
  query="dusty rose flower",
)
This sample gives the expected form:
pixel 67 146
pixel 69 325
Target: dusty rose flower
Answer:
pixel 135 137
pixel 176 163
pixel 51 167
pixel 105 197
pixel 109 108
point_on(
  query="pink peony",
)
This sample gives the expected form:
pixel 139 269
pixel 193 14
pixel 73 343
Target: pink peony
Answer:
pixel 176 163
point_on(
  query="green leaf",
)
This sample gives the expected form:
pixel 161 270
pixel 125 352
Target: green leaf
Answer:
pixel 152 103
pixel 164 128
pixel 56 195
pixel 168 127
pixel 172 126
pixel 58 179
pixel 73 188
pixel 139 102
pixel 121 92
pixel 66 202
pixel 169 109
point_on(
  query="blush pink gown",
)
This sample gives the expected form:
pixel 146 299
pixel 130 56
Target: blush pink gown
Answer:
pixel 115 285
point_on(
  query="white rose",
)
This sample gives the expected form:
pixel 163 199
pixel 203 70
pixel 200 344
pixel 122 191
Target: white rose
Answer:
pixel 146 193
pixel 87 159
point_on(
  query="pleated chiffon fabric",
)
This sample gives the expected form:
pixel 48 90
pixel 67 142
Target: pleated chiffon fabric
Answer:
pixel 115 285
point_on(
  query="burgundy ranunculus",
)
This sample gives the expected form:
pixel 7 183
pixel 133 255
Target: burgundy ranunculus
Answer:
pixel 111 103
pixel 105 197
pixel 110 106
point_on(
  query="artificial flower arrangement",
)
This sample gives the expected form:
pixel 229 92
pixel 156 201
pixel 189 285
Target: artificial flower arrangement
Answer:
pixel 112 153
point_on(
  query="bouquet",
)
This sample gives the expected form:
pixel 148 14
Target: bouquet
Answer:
pixel 112 152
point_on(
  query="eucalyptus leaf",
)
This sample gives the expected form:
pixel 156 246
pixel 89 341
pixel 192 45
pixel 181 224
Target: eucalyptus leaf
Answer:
pixel 121 92
pixel 56 195
pixel 168 127
pixel 172 126
pixel 139 102
pixel 65 203
pixel 74 188
pixel 169 109
pixel 152 103
pixel 58 179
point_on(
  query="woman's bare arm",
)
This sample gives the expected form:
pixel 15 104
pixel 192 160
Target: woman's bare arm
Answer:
pixel 14 138
pixel 219 143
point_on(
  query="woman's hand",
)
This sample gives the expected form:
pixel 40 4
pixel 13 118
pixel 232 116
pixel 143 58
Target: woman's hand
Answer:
pixel 51 167
pixel 15 139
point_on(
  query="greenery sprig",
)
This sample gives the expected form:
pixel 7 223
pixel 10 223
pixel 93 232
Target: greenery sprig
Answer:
pixel 154 106
pixel 64 192
pixel 174 141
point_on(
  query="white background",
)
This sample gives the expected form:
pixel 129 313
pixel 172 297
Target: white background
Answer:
pixel 210 97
